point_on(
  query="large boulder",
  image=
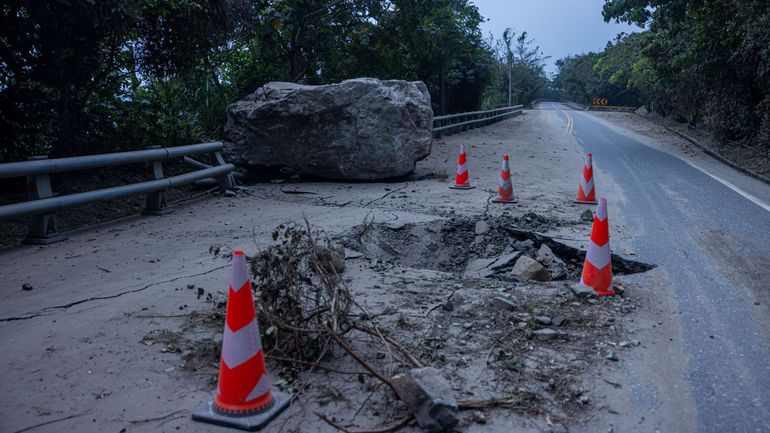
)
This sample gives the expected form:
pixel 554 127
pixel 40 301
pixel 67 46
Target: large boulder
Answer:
pixel 363 129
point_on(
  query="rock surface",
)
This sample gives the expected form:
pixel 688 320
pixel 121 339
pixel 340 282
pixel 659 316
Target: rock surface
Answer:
pixel 429 397
pixel 362 129
pixel 527 269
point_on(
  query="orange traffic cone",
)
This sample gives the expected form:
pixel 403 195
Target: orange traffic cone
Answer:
pixel 587 190
pixel 245 398
pixel 461 178
pixel 597 268
pixel 504 186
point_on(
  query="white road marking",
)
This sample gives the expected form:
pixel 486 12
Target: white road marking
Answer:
pixel 746 195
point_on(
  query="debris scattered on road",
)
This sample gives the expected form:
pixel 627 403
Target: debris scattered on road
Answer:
pixel 429 398
pixel 27 286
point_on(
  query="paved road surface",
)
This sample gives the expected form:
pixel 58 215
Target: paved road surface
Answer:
pixel 713 245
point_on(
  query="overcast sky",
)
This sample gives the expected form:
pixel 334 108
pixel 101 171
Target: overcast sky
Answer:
pixel 560 27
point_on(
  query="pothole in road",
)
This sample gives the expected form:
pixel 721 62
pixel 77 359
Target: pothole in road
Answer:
pixel 454 246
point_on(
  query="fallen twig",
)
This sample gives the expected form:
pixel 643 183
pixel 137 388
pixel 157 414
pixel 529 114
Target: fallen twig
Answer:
pixel 297 191
pixel 358 359
pixel 412 359
pixel 51 422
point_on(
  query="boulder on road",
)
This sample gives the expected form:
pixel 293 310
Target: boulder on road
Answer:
pixel 362 129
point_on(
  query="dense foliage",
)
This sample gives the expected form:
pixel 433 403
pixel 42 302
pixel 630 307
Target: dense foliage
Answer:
pixel 700 61
pixel 85 76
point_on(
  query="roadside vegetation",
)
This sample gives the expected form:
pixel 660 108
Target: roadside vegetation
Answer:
pixel 80 77
pixel 703 63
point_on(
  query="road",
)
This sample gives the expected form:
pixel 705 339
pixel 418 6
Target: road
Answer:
pixel 85 356
pixel 711 240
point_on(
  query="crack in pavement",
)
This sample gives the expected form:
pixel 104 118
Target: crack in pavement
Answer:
pixel 387 194
pixel 100 298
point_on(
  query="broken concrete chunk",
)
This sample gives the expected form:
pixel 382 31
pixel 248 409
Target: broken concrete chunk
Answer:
pixel 504 261
pixel 527 269
pixel 503 303
pixel 543 320
pixel 545 255
pixel 524 245
pixel 587 215
pixel 582 291
pixel 429 397
pixel 485 268
pixel 482 227
pixel 479 268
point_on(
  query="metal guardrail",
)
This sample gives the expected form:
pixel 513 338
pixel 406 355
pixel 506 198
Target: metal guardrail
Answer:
pixel 43 203
pixel 462 121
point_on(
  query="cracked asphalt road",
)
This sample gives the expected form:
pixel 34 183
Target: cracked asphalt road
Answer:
pixel 713 245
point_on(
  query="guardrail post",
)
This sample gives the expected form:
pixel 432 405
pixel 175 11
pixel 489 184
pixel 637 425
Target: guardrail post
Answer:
pixel 156 201
pixel 42 228
pixel 226 181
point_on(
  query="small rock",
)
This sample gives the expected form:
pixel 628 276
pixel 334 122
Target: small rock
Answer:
pixel 587 215
pixel 521 325
pixel 230 193
pixel 543 320
pixel 447 306
pixel 612 356
pixel 544 334
pixel 352 254
pixel 545 255
pixel 479 417
pixel 527 269
pixel 583 399
pixel 558 321
pixel 624 344
pixel 503 303
pixel 191 286
pixel 635 342
pixel 593 301
pixel 481 228
pixel 27 286
pixel 619 290
pixel 524 245
pixel 559 428
pixel 582 291
pixel 429 397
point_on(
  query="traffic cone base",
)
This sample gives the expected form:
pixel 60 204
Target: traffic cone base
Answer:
pixel 585 202
pixel 207 412
pixel 499 200
pixel 461 187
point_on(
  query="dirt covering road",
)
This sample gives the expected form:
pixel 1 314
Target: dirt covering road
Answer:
pixel 121 328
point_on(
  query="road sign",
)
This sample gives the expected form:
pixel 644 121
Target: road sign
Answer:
pixel 600 101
